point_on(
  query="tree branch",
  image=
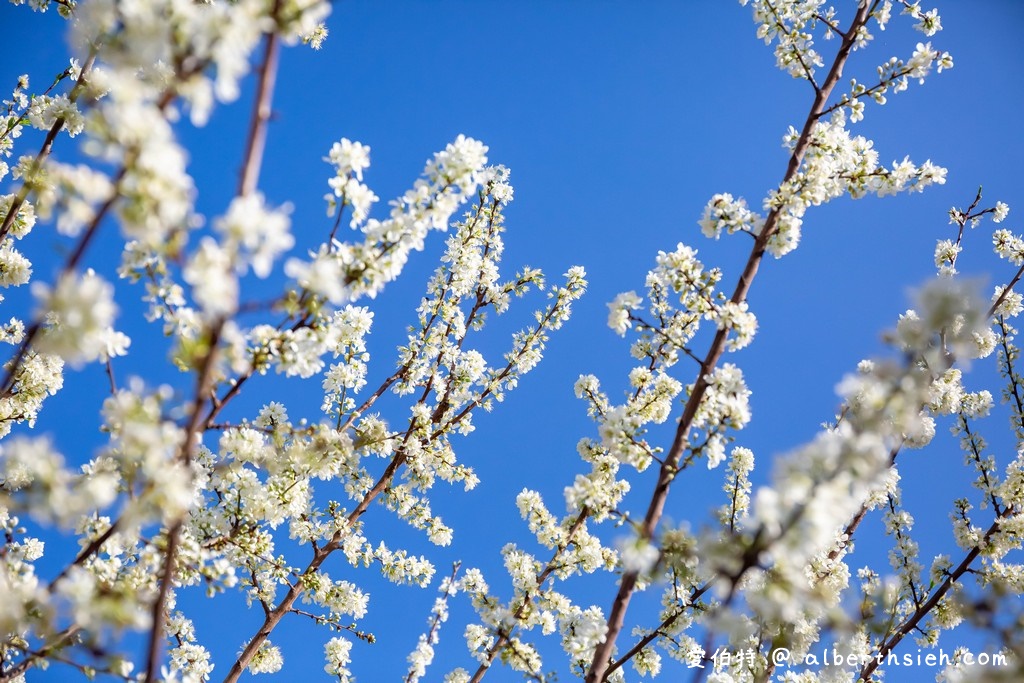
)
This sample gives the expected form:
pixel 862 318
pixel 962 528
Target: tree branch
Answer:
pixel 668 470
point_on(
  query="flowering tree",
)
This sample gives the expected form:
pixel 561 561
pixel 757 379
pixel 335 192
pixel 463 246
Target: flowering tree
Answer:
pixel 195 492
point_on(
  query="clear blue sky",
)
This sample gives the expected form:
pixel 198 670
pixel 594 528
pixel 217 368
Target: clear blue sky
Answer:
pixel 619 120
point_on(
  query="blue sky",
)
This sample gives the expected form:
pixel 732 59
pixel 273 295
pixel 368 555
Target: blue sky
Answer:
pixel 619 121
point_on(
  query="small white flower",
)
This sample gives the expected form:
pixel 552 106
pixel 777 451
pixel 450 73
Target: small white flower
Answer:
pixel 1000 212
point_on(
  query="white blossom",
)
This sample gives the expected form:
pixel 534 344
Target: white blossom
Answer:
pixel 80 311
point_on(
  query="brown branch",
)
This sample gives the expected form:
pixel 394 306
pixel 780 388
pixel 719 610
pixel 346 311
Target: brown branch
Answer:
pixel 159 605
pixel 252 161
pixel 668 471
pixel 247 184
pixel 257 139
pixel 911 623
pixel 174 534
pixel 271 620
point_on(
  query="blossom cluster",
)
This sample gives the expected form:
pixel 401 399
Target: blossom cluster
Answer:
pixel 192 492
pixel 160 494
pixel 776 570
